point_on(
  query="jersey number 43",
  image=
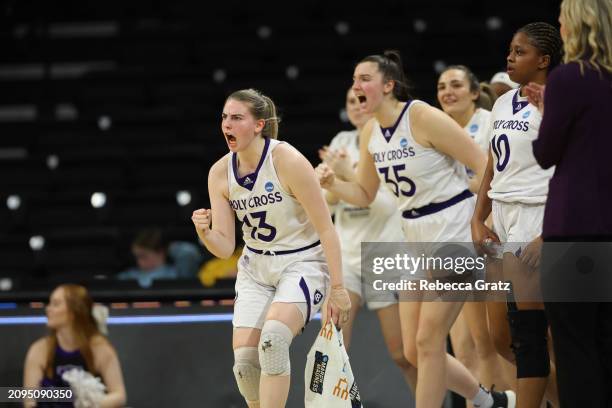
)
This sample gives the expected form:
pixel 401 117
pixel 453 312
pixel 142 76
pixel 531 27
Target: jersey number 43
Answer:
pixel 256 231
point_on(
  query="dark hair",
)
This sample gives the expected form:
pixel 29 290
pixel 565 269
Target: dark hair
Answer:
pixel 546 39
pixel 150 238
pixel 390 65
pixel 487 96
pixel 471 77
pixel 261 107
pixel 482 101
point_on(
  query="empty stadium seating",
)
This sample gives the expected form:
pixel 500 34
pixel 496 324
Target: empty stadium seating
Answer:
pixel 124 98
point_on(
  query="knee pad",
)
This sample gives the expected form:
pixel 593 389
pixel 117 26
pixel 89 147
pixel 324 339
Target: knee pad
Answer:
pixel 274 345
pixel 529 329
pixel 247 372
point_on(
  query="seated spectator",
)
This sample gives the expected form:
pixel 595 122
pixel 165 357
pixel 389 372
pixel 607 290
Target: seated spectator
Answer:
pixel 75 349
pixel 158 260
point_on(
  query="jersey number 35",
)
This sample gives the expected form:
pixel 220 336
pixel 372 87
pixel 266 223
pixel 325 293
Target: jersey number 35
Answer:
pixel 394 180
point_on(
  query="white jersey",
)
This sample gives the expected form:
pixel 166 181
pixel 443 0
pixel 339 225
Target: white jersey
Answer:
pixel 379 222
pixel 272 219
pixel 416 175
pixel 517 178
pixel 478 127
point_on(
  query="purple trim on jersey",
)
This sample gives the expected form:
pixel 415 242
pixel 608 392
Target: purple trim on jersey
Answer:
pixel 436 207
pixel 516 104
pixel 304 288
pixel 248 181
pixel 289 251
pixel 391 130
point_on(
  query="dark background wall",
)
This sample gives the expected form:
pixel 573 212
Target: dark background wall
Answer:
pixel 125 98
pixel 188 365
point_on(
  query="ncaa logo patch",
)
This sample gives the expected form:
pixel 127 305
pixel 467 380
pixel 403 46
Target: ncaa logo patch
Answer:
pixel 474 128
pixel 269 186
pixel 526 114
pixel 318 297
pixel 403 142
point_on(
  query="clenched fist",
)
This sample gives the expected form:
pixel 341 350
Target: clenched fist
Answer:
pixel 325 175
pixel 340 163
pixel 202 219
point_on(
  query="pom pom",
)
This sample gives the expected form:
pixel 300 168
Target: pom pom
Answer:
pixel 88 390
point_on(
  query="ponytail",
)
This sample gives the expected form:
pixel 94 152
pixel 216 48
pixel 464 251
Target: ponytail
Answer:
pixel 271 127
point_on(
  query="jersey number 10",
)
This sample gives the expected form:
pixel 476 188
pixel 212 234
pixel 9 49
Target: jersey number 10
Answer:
pixel 503 156
pixel 261 216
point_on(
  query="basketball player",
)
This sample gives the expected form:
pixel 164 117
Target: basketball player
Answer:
pixel 459 95
pixel 74 341
pixel 282 274
pixel 378 222
pixel 412 148
pixel 515 189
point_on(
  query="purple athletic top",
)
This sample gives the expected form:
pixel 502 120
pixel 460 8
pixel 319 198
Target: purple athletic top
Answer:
pixel 64 361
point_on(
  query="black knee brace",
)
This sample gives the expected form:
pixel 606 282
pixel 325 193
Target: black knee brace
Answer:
pixel 529 329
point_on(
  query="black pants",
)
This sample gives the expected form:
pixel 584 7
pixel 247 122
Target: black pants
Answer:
pixel 577 290
pixel 582 338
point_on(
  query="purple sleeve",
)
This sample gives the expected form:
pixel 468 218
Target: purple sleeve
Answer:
pixel 559 111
